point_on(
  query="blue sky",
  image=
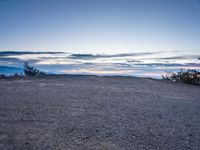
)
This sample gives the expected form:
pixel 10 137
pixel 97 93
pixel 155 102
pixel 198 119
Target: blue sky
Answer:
pixel 99 26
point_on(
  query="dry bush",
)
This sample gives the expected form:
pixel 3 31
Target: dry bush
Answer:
pixel 187 77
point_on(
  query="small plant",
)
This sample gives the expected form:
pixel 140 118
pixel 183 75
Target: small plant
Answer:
pixel 186 77
pixel 2 76
pixel 16 75
pixel 32 71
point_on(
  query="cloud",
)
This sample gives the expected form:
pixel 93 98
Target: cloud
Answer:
pixel 17 58
pixel 171 58
pixel 160 64
pixel 125 63
pixel 6 59
pixel 10 53
pixel 91 56
pixel 180 57
pixel 193 64
pixel 16 61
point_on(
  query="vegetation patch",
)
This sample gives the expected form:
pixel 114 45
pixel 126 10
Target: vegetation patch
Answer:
pixel 32 71
pixel 187 77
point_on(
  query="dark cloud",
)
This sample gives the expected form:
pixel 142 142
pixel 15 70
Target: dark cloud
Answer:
pixel 133 61
pixel 193 64
pixel 168 64
pixel 8 60
pixel 160 64
pixel 169 58
pixel 10 53
pixel 91 56
pixel 180 57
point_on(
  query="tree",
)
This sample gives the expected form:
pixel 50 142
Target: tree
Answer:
pixel 31 70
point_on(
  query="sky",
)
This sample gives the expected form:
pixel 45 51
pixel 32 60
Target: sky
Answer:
pixel 99 26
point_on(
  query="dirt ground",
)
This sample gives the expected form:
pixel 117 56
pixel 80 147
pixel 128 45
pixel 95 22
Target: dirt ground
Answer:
pixel 103 113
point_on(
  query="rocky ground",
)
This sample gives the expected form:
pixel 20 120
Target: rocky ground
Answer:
pixel 89 112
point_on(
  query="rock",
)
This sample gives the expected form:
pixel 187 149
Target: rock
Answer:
pixel 27 142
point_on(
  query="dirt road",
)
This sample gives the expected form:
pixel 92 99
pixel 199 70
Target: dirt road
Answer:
pixel 89 112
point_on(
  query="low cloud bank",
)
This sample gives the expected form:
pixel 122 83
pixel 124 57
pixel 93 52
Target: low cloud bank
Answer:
pixel 140 64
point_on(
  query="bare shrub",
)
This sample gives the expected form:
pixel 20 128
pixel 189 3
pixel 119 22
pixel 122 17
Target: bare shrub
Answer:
pixel 32 71
pixel 187 77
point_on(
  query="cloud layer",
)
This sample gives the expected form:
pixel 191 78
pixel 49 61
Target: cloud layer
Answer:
pixel 133 64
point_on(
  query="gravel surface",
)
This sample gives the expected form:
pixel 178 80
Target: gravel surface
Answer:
pixel 103 113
